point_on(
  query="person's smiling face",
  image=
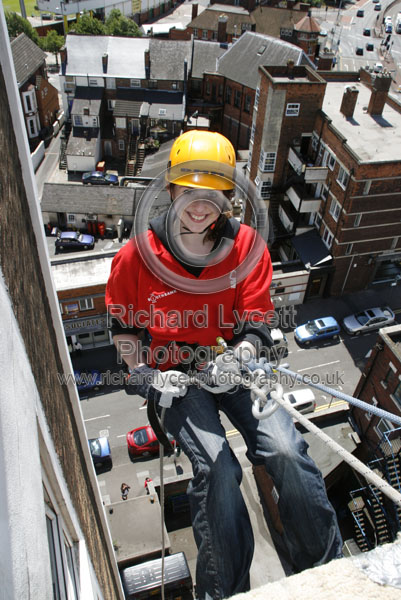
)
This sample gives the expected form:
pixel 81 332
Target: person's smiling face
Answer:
pixel 196 215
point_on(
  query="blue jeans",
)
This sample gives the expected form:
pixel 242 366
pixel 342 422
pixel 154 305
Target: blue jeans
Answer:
pixel 220 519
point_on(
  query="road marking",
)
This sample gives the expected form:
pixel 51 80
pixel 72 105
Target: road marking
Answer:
pixel 122 435
pixel 330 405
pixel 143 407
pixel 104 433
pixel 94 418
pixel 318 366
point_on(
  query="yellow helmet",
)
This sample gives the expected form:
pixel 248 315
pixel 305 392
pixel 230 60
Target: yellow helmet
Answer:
pixel 202 159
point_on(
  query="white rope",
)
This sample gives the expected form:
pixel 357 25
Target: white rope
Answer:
pixel 349 458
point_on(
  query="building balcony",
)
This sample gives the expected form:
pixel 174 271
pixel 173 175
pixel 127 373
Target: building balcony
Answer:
pixel 301 164
pixel 292 221
pixel 301 200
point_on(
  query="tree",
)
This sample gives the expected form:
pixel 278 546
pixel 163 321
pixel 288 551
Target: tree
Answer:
pixel 16 25
pixel 53 42
pixel 118 25
pixel 87 25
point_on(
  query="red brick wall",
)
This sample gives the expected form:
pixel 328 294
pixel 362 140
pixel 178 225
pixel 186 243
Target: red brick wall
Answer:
pixel 96 292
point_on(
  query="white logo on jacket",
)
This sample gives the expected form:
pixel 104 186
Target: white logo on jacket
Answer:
pixel 155 296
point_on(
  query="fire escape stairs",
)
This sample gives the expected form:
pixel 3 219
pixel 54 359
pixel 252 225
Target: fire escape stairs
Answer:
pixel 358 512
pixel 130 164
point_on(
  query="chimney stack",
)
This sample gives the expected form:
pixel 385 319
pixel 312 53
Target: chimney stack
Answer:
pixel 147 63
pixel 63 59
pixel 349 100
pixel 194 11
pixel 105 60
pixel 290 68
pixel 222 29
pixel 380 87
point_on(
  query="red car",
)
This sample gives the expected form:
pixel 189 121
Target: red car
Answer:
pixel 142 441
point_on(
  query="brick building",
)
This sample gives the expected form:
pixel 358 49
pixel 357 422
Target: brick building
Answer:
pixel 349 129
pixel 380 385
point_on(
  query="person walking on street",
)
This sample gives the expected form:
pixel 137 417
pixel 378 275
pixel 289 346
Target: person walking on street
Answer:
pixel 124 491
pixel 194 276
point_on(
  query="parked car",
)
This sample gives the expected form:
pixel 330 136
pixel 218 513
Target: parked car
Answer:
pixel 323 32
pixel 366 31
pixel 378 68
pixel 317 329
pixel 100 452
pixel 88 380
pixel 302 400
pixel 73 240
pixel 99 178
pixel 368 320
pixel 359 50
pixel 142 441
pixel 370 47
pixel 378 6
pixel 389 28
pixel 360 13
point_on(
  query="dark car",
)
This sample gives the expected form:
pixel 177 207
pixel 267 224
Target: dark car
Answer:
pixel 88 380
pixel 360 13
pixel 359 50
pixel 100 452
pixel 370 47
pixel 366 31
pixel 73 240
pixel 99 178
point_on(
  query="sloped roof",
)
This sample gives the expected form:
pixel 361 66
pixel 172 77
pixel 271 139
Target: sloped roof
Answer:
pixel 308 24
pixel 205 57
pixel 125 56
pixel 167 58
pixel 27 57
pixel 127 108
pixel 241 62
pixel 209 18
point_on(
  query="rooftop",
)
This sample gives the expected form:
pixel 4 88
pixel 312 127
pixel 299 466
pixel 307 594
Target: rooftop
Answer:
pixel 371 138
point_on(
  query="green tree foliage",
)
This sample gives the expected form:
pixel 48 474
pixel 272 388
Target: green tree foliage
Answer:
pixel 53 42
pixel 118 25
pixel 87 25
pixel 16 25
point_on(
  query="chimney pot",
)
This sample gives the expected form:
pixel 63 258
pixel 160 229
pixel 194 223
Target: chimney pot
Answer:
pixel 349 100
pixel 105 60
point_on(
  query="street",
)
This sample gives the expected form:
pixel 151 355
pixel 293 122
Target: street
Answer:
pixel 345 32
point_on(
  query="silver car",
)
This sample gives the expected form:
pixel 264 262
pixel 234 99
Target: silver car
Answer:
pixel 368 320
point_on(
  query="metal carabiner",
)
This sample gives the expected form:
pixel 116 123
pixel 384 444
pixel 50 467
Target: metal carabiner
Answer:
pixel 264 403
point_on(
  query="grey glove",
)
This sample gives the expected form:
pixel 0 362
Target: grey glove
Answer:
pixel 148 383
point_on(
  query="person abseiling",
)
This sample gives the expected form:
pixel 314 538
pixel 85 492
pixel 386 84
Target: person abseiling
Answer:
pixel 208 276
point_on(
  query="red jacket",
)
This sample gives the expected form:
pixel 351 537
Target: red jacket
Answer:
pixel 141 300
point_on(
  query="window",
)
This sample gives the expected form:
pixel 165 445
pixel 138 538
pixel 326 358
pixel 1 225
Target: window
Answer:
pixel 335 208
pixel 121 145
pixel 383 426
pixel 315 141
pixel 327 237
pixel 389 376
pixel 135 83
pixel 63 558
pixel 348 249
pixel 397 395
pixel 237 98
pixel 152 83
pixel 32 127
pixel 247 105
pixel 78 121
pixel 111 104
pixel 357 220
pixel 267 162
pixel 318 220
pixel 343 177
pixel 257 181
pixel 366 188
pixel 110 83
pixel 228 94
pixel 325 192
pixel 265 189
pixel 94 121
pixel 369 415
pixel 292 110
pixel 214 35
pixel 86 303
pixel 205 34
pixel 253 132
pixel 195 32
pixel 394 243
pixel 28 102
pixel 174 85
pixel 93 82
pixel 120 123
pixel 331 161
pixel 257 95
pixel 246 27
pixel 162 112
pixel 70 218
